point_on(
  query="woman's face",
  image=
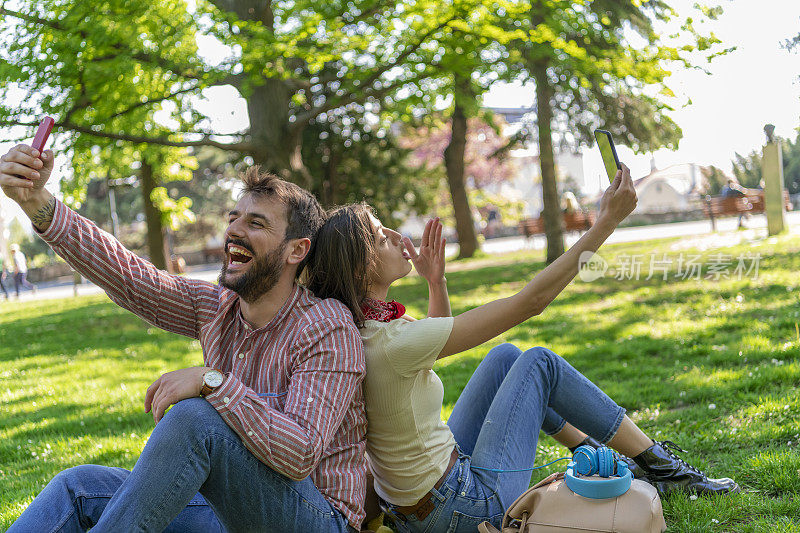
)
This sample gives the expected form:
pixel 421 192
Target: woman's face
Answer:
pixel 392 261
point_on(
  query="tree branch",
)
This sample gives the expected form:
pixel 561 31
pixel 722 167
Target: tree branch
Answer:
pixel 161 141
pixel 133 53
pixel 378 6
pixel 303 118
pixel 152 101
pixel 81 102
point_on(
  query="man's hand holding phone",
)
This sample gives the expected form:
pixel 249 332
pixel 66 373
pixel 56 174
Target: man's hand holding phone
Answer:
pixel 24 172
pixel 25 169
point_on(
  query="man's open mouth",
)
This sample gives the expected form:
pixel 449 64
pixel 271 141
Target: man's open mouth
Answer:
pixel 238 255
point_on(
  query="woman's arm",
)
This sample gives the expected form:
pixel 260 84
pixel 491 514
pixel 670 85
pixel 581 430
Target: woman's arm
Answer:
pixel 429 264
pixel 478 325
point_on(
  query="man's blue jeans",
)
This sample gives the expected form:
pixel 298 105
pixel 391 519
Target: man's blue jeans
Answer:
pixel 191 450
pixel 496 423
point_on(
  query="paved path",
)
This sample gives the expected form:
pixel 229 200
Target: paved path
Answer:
pixel 757 223
pixel 641 233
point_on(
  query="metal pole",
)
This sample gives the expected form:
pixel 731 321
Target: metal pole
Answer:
pixel 772 170
pixel 711 213
pixel 112 204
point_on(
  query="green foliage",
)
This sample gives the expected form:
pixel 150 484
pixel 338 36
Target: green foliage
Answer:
pixel 791 165
pixel 608 64
pixel 747 169
pixel 100 69
pixel 511 211
pixel 211 193
pixel 715 180
pixel 122 78
pixel 356 159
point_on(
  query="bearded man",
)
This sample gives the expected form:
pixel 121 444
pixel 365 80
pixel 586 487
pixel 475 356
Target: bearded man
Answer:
pixel 269 434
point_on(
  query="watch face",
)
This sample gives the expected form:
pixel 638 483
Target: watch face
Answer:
pixel 212 378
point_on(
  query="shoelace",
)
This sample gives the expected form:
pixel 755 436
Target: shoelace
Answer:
pixel 671 447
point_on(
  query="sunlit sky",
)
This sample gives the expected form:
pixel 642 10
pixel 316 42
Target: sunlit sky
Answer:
pixel 758 83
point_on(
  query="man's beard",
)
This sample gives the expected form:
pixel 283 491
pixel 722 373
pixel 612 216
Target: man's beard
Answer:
pixel 260 279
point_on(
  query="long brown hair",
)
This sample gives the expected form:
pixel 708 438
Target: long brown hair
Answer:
pixel 341 257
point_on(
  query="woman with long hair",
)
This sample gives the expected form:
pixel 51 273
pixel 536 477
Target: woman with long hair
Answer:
pixel 431 476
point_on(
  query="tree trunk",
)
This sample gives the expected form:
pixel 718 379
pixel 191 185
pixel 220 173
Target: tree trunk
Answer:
pixel 454 164
pixel 330 183
pixel 155 230
pixel 551 212
pixel 277 150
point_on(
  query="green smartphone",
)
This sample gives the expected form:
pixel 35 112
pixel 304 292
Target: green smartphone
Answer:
pixel 609 153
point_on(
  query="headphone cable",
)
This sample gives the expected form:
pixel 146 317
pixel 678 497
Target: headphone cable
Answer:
pixel 520 469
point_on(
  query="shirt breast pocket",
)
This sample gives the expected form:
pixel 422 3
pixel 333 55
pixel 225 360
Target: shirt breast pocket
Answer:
pixel 275 400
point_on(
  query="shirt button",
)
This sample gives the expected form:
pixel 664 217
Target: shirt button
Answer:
pixel 249 433
pixel 309 399
pixel 226 399
pixel 241 356
pixel 463 493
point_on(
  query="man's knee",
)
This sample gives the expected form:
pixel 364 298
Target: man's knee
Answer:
pixel 191 410
pixel 83 478
pixel 191 416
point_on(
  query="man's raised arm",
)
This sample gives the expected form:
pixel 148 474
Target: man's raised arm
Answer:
pixel 169 302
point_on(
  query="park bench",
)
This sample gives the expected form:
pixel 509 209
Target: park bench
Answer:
pixel 752 202
pixel 214 254
pixel 577 221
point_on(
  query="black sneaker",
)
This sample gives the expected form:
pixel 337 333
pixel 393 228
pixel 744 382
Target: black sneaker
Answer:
pixel 669 473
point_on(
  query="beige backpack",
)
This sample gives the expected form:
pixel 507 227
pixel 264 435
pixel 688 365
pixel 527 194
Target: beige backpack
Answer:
pixel 550 507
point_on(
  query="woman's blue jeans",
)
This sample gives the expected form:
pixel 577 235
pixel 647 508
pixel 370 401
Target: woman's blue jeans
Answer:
pixel 191 450
pixel 496 422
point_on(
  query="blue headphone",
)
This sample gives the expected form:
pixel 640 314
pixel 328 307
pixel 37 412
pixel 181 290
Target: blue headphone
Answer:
pixel 615 478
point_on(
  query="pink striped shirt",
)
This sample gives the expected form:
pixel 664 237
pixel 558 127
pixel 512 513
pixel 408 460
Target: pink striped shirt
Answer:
pixel 293 387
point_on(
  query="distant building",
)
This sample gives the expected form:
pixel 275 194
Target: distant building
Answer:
pixel 670 190
pixel 527 183
pixel 513 115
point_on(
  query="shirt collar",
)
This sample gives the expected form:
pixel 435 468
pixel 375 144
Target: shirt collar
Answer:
pixel 279 317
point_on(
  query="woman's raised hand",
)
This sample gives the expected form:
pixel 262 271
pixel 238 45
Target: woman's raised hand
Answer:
pixel 429 262
pixel 619 199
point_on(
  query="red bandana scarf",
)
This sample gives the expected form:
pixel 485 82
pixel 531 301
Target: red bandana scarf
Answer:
pixel 382 311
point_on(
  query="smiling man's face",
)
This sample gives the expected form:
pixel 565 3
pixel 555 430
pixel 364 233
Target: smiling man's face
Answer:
pixel 255 247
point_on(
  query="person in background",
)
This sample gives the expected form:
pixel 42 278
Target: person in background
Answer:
pixel 3 275
pixel 569 203
pixel 20 270
pixel 734 190
pixel 493 221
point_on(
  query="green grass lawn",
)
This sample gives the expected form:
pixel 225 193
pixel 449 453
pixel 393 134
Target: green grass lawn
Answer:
pixel 711 364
